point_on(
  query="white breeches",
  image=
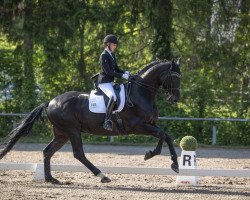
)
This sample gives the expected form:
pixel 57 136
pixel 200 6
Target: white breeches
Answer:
pixel 108 89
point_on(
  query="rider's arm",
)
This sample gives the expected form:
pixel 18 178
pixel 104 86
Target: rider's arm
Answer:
pixel 119 70
pixel 107 68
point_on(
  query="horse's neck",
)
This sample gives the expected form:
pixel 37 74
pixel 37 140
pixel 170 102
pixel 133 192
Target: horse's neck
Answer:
pixel 151 77
pixel 145 88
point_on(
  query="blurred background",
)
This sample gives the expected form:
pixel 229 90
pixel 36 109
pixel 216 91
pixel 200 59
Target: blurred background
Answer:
pixel 50 47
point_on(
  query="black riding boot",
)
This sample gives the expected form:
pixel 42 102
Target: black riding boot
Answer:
pixel 108 124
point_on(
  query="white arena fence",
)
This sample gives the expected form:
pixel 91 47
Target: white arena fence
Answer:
pixel 130 170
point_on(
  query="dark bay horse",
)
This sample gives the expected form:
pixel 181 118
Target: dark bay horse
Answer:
pixel 70 116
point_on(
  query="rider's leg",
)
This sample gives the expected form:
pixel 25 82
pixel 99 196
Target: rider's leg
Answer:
pixel 108 125
pixel 108 89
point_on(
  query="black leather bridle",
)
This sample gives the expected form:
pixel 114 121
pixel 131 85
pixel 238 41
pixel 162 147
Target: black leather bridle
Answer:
pixel 170 87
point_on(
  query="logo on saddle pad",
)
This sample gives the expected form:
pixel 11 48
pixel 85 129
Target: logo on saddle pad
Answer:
pixel 97 104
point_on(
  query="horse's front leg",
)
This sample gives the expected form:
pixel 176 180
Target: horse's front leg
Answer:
pixel 148 129
pixel 174 157
pixel 156 151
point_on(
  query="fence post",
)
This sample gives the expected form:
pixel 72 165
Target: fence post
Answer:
pixel 214 134
pixel 14 124
pixel 111 139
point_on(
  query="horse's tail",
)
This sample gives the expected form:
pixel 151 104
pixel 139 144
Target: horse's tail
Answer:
pixel 23 129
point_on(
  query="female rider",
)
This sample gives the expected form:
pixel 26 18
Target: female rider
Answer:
pixel 110 70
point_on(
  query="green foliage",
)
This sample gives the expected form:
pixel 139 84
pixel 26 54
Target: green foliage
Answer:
pixel 188 143
pixel 55 46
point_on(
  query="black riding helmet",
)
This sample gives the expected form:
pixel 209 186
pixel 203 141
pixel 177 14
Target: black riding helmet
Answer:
pixel 111 39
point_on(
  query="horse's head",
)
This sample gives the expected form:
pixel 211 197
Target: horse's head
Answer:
pixel 170 81
pixel 161 73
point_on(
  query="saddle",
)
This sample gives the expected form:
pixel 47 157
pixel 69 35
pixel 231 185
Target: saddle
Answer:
pixel 98 100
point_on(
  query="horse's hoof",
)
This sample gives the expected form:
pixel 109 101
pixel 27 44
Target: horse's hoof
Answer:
pixel 175 167
pixel 105 180
pixel 52 180
pixel 148 155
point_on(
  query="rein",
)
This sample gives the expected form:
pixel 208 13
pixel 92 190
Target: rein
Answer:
pixel 146 86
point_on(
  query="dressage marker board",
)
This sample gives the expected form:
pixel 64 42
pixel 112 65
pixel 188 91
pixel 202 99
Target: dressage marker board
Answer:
pixel 130 170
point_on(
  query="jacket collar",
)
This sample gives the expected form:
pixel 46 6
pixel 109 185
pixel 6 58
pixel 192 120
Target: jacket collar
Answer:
pixel 110 54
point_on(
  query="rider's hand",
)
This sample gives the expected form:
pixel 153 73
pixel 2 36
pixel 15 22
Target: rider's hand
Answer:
pixel 125 76
pixel 127 72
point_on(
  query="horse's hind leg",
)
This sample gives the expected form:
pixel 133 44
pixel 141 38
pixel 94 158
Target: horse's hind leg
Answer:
pixel 58 141
pixel 76 142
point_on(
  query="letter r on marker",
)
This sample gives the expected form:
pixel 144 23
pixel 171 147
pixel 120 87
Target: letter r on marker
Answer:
pixel 187 158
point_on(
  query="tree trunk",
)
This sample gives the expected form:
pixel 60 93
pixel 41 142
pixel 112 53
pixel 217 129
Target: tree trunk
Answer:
pixel 244 101
pixel 162 23
pixel 81 61
pixel 28 85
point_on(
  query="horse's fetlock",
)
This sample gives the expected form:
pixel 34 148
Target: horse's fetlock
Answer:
pixel 77 155
pixel 174 158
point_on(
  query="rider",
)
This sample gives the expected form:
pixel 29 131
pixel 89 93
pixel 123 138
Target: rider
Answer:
pixel 110 70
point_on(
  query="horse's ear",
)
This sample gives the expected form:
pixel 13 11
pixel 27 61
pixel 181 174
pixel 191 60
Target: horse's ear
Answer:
pixel 179 62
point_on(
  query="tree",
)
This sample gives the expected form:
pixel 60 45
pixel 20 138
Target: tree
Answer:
pixel 17 24
pixel 159 14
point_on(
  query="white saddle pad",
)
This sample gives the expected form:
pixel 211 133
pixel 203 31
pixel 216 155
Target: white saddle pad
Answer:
pixel 97 104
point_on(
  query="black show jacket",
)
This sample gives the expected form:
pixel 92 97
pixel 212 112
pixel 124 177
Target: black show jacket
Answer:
pixel 110 69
